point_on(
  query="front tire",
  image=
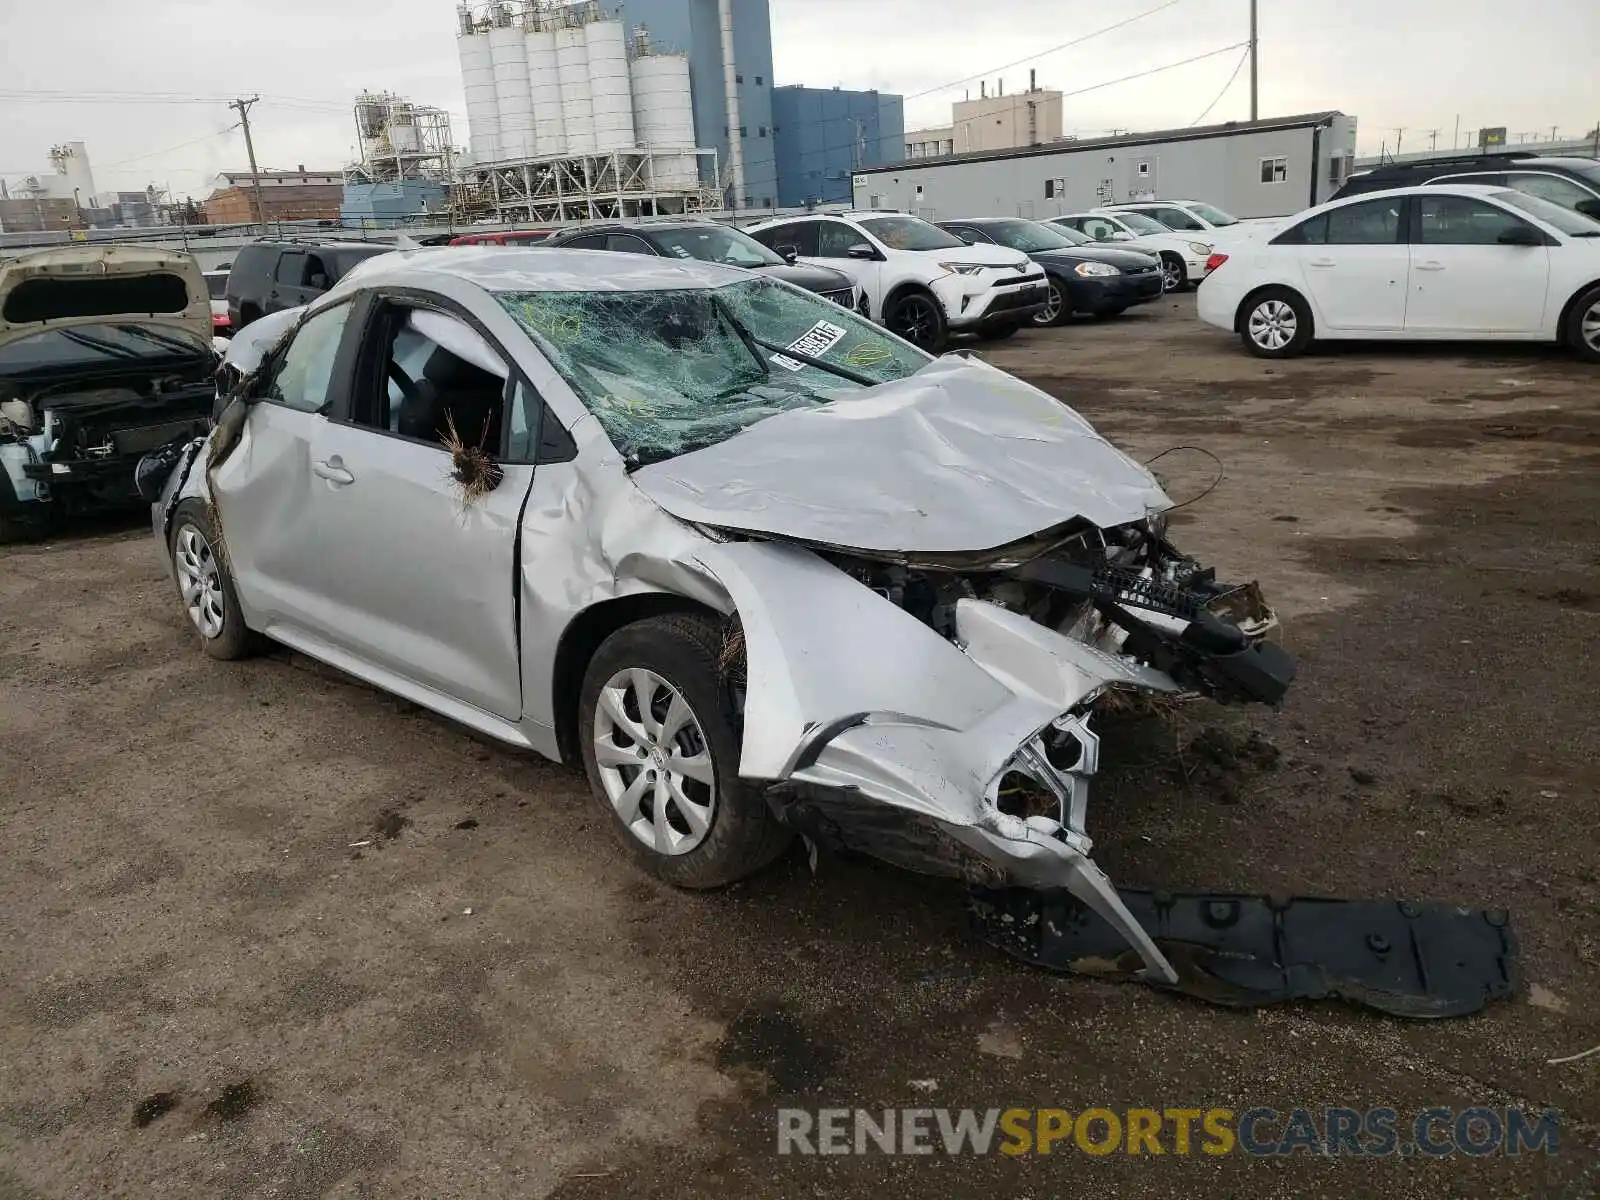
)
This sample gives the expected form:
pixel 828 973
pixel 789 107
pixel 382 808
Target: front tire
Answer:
pixel 1583 326
pixel 919 319
pixel 1275 323
pixel 660 737
pixel 206 585
pixel 1174 275
pixel 1057 308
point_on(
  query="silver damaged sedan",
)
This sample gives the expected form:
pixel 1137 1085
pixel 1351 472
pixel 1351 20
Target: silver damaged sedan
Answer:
pixel 759 566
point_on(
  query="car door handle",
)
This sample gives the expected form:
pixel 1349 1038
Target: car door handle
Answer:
pixel 333 471
pixel 1430 265
pixel 1323 262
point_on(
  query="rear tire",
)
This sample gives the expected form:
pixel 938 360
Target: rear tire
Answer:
pixel 919 318
pixel 1583 326
pixel 1275 323
pixel 206 584
pixel 660 736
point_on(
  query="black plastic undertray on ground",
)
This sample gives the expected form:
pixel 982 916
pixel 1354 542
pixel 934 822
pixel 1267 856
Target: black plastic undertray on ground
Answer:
pixel 1410 960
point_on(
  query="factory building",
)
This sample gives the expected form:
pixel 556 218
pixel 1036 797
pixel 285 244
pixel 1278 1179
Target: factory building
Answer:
pixel 405 166
pixel 822 136
pixel 997 121
pixel 1267 168
pixel 298 195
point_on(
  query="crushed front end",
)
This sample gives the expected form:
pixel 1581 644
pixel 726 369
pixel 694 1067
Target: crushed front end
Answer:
pixel 947 726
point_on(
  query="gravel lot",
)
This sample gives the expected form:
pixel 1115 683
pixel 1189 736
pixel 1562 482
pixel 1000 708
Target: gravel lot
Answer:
pixel 367 955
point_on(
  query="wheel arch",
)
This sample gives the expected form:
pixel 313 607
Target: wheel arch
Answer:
pixel 583 636
pixel 1256 292
pixel 1572 302
pixel 906 288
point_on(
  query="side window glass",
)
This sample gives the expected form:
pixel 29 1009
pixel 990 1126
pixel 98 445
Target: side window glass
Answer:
pixel 627 243
pixel 301 377
pixel 316 274
pixel 592 241
pixel 1461 221
pixel 1176 218
pixel 834 239
pixel 1099 230
pixel 799 237
pixel 291 266
pixel 1370 223
pixel 1552 188
pixel 438 375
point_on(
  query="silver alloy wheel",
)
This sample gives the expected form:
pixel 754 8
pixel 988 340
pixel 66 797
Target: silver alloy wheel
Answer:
pixel 200 581
pixel 1171 274
pixel 1051 311
pixel 653 760
pixel 1589 327
pixel 1272 324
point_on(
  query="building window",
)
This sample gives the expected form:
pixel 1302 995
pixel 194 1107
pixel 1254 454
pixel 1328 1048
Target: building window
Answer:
pixel 761 131
pixel 1275 170
pixel 1049 189
pixel 759 81
pixel 744 131
pixel 738 78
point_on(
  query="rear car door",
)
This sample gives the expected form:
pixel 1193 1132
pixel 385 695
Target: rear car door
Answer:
pixel 1464 279
pixel 263 490
pixel 1355 264
pixel 420 559
pixel 627 243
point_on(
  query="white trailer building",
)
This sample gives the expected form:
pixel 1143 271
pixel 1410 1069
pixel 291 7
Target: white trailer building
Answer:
pixel 1269 168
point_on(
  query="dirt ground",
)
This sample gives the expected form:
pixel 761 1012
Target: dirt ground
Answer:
pixel 267 932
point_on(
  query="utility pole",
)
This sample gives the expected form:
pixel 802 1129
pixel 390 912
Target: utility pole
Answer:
pixel 1455 143
pixel 1399 136
pixel 1433 140
pixel 1552 133
pixel 243 109
pixel 1255 82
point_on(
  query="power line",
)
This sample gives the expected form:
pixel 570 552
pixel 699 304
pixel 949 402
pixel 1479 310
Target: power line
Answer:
pixel 169 150
pixel 1237 67
pixel 1077 41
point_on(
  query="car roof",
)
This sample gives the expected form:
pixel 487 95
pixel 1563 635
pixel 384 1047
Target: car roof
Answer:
pixel 980 220
pixel 553 269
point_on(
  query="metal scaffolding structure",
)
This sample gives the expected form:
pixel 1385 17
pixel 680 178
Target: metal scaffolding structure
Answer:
pixel 587 187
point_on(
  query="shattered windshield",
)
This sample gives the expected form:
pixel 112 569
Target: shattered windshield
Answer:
pixel 667 372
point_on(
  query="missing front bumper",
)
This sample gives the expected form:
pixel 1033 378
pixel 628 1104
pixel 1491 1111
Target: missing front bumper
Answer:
pixel 1409 960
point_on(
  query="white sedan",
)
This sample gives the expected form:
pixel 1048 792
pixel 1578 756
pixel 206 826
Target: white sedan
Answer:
pixel 1445 261
pixel 1183 258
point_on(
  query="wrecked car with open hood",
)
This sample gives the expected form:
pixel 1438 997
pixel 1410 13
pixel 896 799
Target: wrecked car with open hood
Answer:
pixel 757 565
pixel 105 353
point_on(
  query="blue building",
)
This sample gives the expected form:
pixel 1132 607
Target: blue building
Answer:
pixel 691 26
pixel 825 134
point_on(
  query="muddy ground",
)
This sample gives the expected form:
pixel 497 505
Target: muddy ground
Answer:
pixel 266 932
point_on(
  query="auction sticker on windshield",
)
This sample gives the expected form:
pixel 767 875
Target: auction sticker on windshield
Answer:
pixel 814 343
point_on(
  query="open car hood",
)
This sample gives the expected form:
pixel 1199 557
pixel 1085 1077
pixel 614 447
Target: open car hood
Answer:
pixel 96 285
pixel 958 458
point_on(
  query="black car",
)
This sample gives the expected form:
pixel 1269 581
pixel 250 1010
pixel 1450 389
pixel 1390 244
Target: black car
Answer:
pixel 269 276
pixel 710 242
pixel 1085 276
pixel 1570 182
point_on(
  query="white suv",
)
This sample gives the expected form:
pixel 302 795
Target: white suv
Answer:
pixel 1183 259
pixel 919 281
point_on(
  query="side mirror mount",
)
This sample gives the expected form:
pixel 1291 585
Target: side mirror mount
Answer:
pixel 862 250
pixel 1521 235
pixel 1118 236
pixel 790 255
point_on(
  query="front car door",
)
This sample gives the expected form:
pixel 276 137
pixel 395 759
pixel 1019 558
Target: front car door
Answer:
pixel 1355 264
pixel 262 491
pixel 421 558
pixel 286 291
pixel 1464 279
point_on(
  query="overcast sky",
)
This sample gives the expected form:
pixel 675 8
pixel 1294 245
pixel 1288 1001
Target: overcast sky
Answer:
pixel 1412 63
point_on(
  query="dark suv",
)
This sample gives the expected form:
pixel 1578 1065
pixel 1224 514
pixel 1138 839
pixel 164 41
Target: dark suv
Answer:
pixel 1570 182
pixel 270 276
pixel 710 242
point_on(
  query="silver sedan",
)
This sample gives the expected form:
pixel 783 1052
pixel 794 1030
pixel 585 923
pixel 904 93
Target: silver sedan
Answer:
pixel 757 565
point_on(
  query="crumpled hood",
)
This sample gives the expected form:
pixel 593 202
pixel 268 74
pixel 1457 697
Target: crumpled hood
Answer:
pixel 959 457
pixel 71 286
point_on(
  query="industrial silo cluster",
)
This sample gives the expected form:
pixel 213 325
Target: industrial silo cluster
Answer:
pixel 551 81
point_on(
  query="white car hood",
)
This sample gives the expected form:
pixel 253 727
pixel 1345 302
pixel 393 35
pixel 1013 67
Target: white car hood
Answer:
pixel 959 457
pixel 72 286
pixel 983 256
